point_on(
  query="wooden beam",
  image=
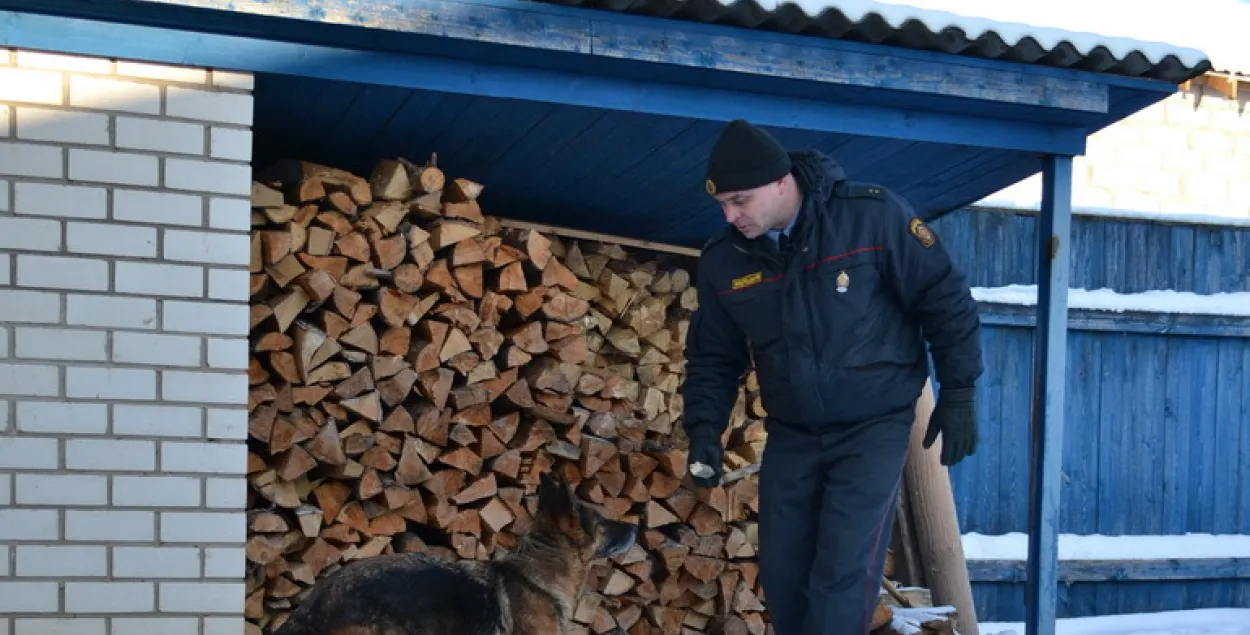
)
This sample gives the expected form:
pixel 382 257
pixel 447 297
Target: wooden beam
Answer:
pixel 1146 570
pixel 712 47
pixel 1054 246
pixel 1228 85
pixel 594 236
pixel 255 54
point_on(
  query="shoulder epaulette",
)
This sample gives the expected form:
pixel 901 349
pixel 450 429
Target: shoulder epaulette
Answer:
pixel 716 237
pixel 861 190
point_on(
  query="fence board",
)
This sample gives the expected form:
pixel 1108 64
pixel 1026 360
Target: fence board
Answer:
pixel 1157 442
pixel 1084 599
pixel 1156 431
pixel 1157 439
pixel 997 248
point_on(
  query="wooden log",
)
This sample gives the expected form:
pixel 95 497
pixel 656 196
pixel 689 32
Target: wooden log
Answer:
pixel 909 566
pixel 927 483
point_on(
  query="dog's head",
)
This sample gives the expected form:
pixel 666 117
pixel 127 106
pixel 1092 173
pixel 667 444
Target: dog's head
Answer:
pixel 587 529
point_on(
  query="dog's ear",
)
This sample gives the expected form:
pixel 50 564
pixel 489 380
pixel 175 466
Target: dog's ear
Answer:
pixel 553 495
pixel 558 500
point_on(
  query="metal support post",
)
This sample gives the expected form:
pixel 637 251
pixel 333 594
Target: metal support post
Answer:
pixel 1049 379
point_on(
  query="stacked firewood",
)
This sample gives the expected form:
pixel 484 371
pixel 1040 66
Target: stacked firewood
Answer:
pixel 416 364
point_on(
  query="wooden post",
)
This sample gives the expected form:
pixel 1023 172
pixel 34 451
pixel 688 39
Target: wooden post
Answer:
pixel 1054 235
pixel 936 525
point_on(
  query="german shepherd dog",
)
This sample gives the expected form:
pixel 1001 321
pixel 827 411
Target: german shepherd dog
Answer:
pixel 531 591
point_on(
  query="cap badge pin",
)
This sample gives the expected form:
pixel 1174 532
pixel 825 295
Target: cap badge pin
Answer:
pixel 843 282
pixel 709 186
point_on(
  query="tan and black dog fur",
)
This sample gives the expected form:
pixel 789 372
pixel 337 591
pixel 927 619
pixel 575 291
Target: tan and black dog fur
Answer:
pixel 531 591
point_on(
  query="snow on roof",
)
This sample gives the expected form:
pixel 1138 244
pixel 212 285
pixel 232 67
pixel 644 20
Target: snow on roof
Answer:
pixel 1123 27
pixel 1113 36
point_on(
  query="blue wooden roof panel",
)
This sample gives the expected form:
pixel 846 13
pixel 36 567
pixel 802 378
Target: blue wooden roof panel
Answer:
pixel 589 38
pixel 864 21
pixel 598 120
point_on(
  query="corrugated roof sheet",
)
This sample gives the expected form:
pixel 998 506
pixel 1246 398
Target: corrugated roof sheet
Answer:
pixel 1087 35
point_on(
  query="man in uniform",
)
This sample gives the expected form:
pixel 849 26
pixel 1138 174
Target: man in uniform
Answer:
pixel 832 288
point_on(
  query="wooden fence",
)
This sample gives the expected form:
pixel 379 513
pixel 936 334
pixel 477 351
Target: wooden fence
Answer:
pixel 1157 436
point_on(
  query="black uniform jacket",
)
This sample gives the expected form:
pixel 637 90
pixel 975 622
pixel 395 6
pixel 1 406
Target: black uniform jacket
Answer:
pixel 835 325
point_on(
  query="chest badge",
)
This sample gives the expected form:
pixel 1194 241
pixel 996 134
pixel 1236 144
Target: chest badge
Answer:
pixel 748 280
pixel 843 282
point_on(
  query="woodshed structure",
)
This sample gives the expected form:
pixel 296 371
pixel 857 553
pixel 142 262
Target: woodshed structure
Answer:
pixel 131 133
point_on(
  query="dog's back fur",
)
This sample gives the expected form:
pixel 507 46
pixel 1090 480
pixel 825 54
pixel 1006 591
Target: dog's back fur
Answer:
pixel 412 593
pixel 531 591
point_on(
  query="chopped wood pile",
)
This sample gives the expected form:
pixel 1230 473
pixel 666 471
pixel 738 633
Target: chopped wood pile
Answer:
pixel 416 364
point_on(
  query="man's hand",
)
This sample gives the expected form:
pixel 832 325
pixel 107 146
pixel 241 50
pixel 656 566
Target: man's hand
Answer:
pixel 707 450
pixel 956 418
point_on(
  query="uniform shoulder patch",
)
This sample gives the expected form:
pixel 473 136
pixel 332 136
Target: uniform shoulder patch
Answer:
pixel 712 240
pixel 922 233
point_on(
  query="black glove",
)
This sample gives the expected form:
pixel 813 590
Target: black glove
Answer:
pixel 956 418
pixel 706 448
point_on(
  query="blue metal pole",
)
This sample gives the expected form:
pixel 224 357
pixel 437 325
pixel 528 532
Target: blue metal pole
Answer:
pixel 1049 378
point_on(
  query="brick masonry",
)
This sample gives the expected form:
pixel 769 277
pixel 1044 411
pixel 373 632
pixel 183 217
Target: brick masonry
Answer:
pixel 1187 155
pixel 124 249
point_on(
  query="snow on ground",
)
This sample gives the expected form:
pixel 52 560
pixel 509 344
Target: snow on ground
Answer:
pixel 1192 622
pixel 1161 301
pixel 1014 546
pixel 909 621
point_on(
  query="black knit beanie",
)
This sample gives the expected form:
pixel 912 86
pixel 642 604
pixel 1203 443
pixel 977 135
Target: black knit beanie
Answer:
pixel 743 158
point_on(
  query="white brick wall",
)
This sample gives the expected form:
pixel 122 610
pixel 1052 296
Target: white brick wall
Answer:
pixel 1189 154
pixel 123 346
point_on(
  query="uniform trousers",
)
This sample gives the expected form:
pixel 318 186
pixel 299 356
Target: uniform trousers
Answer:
pixel 827 504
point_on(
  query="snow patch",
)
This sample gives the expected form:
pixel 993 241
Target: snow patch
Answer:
pixel 1014 546
pixel 909 621
pixel 1236 304
pixel 1231 621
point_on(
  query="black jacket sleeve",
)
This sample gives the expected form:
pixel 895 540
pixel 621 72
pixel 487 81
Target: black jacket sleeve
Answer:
pixel 716 360
pixel 929 285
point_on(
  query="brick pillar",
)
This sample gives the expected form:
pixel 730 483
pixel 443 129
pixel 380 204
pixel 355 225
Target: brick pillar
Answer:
pixel 124 249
